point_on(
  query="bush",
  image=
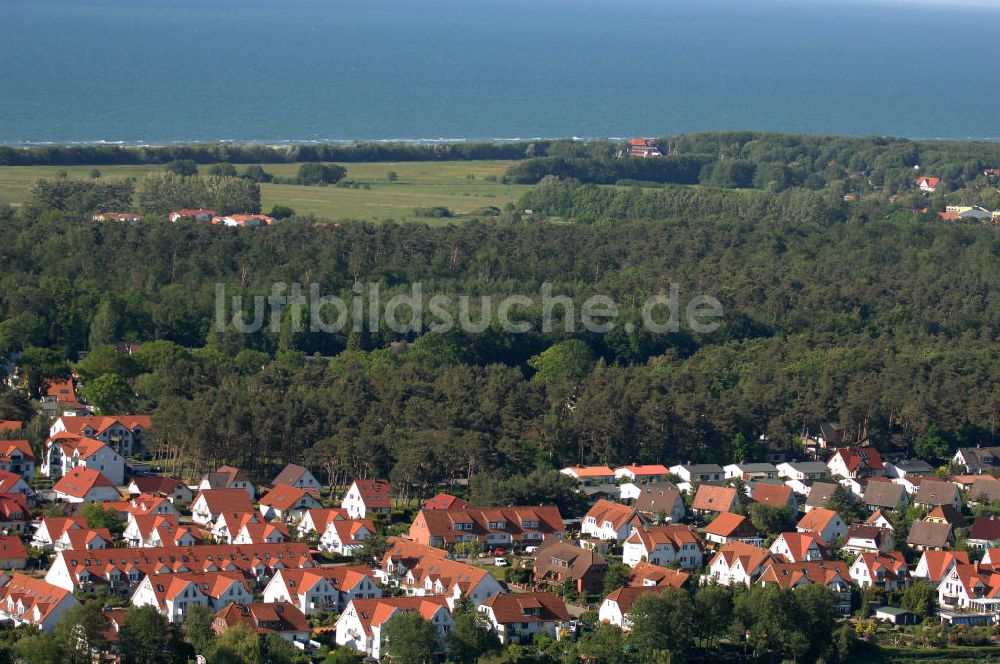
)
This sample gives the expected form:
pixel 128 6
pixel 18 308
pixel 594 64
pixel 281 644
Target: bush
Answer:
pixel 185 167
pixel 436 212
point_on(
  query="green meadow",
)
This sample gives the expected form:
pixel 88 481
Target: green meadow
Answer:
pixel 464 187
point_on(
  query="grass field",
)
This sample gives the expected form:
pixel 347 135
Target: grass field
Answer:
pixel 460 186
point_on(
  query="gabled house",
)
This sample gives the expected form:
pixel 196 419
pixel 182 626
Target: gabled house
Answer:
pixel 660 501
pixel 287 502
pixel 297 476
pixel 518 617
pixel 228 477
pixel 84 485
pixel 855 463
pixel 829 574
pixel 710 498
pixel 879 520
pixel 927 535
pixel 16 457
pixel 797 547
pixel 124 434
pixel 928 184
pixel 14 514
pixel 345 536
pixel 149 530
pixel 965 586
pixel 28 601
pixel 228 525
pixel 173 594
pixel 642 474
pixel 984 491
pixel 361 624
pixel 451 579
pixel 365 498
pixel 935 565
pixel 887 571
pixel 776 495
pixel 279 618
pixel 738 563
pixel 819 494
pixel 937 492
pixel 14 483
pixel 494 527
pixel 825 523
pixel 691 474
pixel 316 521
pixel 558 563
pixel 50 529
pixel 749 472
pixel 170 488
pixel 210 504
pixel 864 538
pixel 590 474
pixel 728 527
pixel 881 495
pixel 646 575
pixel 948 514
pixel 663 545
pixel 262 533
pixel 443 501
pixel 984 532
pixel 616 608
pixel 803 470
pixel 84 539
pixel 13 555
pixel 65 451
pixel 612 521
pixel 908 468
pixel 977 460
pixel 320 589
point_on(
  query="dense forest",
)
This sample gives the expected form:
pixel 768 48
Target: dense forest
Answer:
pixel 831 312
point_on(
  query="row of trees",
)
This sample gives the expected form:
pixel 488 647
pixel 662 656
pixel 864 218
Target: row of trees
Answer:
pixel 154 194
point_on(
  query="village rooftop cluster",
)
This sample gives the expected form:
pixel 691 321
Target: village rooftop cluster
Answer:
pixel 275 556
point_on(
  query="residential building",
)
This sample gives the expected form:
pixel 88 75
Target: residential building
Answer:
pixel 316 521
pixel 935 565
pixel 170 488
pixel 865 538
pixel 297 476
pixel 751 471
pixel 16 457
pixel 738 563
pixel 984 533
pixel 937 492
pixel 885 570
pixel 360 625
pixel 345 536
pixel 590 474
pixel 728 527
pixel 711 498
pixel 660 501
pixel 884 495
pixel 279 618
pixel 228 477
pixel 124 434
pixel 287 503
pixel 365 498
pixel 927 535
pixel 320 589
pixel 518 617
pixel 451 579
pixel 642 474
pixel 928 184
pixel 443 501
pixel 977 460
pixel 14 515
pixel 28 601
pixel 173 594
pixel 803 470
pixel 775 495
pixel 830 574
pixel 663 545
pixel 612 521
pixel 559 562
pixel 494 527
pixel 819 494
pixel 617 606
pixel 84 485
pixel 855 463
pixel 210 504
pixel 825 523
pixel 188 213
pixel 797 547
pixel 692 474
pixel 66 451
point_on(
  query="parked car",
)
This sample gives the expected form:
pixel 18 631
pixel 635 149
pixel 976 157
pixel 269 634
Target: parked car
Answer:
pixel 500 561
pixel 530 549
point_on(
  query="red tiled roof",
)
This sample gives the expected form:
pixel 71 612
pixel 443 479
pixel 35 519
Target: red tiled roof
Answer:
pixel 714 498
pixel 727 524
pixel 374 493
pixel 443 501
pixel 816 520
pixel 79 481
pixel 779 495
pixel 225 500
pixel 938 562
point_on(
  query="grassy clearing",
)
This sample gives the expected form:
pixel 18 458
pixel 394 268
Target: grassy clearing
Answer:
pixel 460 186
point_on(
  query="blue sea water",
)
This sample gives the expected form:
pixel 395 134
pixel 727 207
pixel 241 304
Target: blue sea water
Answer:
pixel 161 71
